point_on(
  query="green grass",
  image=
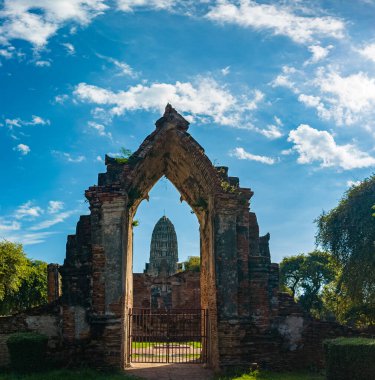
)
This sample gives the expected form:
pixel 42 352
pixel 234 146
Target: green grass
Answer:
pixel 64 374
pixel 352 341
pixel 266 375
pixel 88 374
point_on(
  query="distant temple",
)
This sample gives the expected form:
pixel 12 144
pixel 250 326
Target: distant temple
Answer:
pixel 163 285
pixel 163 250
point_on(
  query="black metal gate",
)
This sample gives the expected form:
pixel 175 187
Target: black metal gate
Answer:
pixel 167 336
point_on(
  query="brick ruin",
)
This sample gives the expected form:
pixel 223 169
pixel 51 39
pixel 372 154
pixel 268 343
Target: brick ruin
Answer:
pixel 164 284
pixel 249 319
pixel 178 291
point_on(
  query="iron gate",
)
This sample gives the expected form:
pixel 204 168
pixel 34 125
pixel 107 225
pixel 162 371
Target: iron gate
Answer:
pixel 167 336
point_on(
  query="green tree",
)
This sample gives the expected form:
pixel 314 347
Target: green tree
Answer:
pixel 291 273
pixel 13 264
pixel 348 232
pixel 23 281
pixel 193 264
pixel 306 275
pixel 33 289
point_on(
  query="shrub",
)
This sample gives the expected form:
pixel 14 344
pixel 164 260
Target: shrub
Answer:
pixel 27 351
pixel 350 358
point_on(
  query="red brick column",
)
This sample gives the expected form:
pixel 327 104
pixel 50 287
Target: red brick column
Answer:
pixel 53 282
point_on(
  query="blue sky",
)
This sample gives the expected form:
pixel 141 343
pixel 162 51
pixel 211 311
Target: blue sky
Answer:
pixel 282 92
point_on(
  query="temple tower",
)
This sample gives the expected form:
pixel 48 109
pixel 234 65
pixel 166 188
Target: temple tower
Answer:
pixel 163 249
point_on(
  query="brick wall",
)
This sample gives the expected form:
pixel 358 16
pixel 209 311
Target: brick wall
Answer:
pixel 45 320
pixel 184 288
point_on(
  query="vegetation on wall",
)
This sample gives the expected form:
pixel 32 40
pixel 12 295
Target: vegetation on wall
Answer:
pixel 124 156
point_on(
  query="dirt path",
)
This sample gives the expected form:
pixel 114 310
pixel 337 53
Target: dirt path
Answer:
pixel 172 371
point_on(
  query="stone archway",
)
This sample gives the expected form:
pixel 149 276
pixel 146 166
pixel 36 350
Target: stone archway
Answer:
pixel 97 272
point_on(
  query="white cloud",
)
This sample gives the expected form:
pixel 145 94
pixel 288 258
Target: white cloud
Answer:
pixel 9 225
pixel 74 159
pixel 35 120
pixel 284 80
pixel 55 206
pixel 313 145
pixel 123 67
pixel 278 19
pixel 68 157
pixel 318 53
pixel 278 121
pixel 23 149
pixel 69 48
pixel 28 210
pixel 131 5
pixel 368 52
pixel 272 132
pixel 204 99
pixel 315 102
pixel 309 100
pixel 347 99
pixel 225 71
pixel 13 230
pixel 60 99
pixel 241 154
pixel 100 128
pixel 10 123
pixel 99 158
pixel 29 238
pixel 42 63
pixel 102 114
pixel 258 97
pixel 58 218
pixel 19 21
pixel 6 53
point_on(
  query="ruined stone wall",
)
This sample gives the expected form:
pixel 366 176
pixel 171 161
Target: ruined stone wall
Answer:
pixel 249 320
pixel 45 320
pixel 301 336
pixel 184 287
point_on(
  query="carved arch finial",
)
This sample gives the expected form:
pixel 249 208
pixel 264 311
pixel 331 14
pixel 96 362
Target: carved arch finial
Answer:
pixel 172 118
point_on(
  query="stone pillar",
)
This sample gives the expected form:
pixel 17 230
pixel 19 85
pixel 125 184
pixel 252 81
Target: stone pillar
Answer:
pixel 226 263
pixel 259 273
pixel 53 282
pixel 208 286
pixel 108 251
pixel 227 282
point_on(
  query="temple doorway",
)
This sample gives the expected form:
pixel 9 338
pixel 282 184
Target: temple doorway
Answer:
pixel 166 321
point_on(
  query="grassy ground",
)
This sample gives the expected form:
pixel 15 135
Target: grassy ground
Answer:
pixel 265 375
pixel 87 374
pixel 64 374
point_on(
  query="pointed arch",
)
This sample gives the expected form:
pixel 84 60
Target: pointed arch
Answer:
pixel 100 254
